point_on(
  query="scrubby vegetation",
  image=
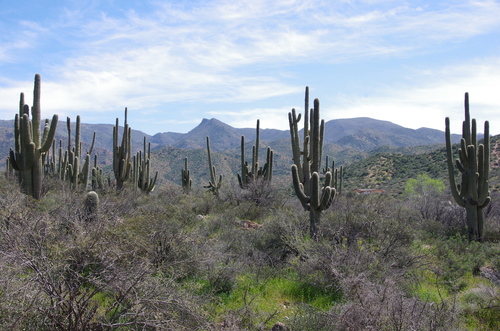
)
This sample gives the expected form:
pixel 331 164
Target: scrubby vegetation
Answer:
pixel 243 260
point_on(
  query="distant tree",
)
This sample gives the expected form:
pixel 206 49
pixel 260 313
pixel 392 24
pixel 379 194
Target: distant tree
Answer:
pixel 423 193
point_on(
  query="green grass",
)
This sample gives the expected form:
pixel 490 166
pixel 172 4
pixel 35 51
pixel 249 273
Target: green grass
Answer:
pixel 279 294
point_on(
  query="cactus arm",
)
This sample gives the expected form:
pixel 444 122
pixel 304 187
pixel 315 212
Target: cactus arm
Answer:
pixel 299 188
pixel 472 173
pixel 243 178
pixel 35 111
pixel 451 172
pixel 49 134
pixel 316 138
pixel 484 169
pixel 293 120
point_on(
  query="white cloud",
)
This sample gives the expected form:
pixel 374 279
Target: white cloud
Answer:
pixel 433 96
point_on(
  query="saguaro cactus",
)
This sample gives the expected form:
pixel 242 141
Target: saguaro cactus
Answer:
pixel 473 164
pixel 186 180
pixel 251 172
pixel 31 144
pixel 76 176
pixel 213 184
pixel 306 172
pixel 142 163
pixel 122 160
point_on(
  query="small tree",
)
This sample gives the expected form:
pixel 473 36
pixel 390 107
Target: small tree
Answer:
pixel 423 193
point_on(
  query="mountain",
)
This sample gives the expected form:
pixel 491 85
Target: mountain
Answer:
pixel 346 140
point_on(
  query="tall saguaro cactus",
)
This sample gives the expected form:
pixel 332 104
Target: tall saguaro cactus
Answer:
pixel 30 143
pixel 251 172
pixel 306 168
pixel 122 160
pixel 473 163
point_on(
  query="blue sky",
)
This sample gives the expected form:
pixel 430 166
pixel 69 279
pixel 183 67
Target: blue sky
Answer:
pixel 173 63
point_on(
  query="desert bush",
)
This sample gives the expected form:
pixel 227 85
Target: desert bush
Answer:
pixel 59 273
pixel 458 258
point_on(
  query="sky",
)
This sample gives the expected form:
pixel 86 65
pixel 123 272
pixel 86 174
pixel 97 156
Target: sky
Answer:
pixel 173 63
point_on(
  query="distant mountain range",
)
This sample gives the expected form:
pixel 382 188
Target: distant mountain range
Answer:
pixel 346 141
pixel 362 134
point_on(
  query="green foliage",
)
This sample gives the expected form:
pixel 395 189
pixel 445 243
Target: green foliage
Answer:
pixel 424 185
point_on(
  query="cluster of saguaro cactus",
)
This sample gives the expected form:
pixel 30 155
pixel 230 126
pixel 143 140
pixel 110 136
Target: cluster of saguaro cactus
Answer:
pixel 473 164
pixel 213 185
pixel 306 168
pixel 186 180
pixel 31 144
pixel 141 170
pixel 122 160
pixel 78 177
pixel 252 172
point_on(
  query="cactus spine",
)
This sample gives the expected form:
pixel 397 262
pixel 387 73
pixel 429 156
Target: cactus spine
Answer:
pixel 186 180
pixel 30 144
pixel 473 163
pixel 122 163
pixel 305 174
pixel 252 172
pixel 213 184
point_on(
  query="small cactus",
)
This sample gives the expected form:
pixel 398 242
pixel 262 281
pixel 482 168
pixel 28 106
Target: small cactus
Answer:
pixel 91 207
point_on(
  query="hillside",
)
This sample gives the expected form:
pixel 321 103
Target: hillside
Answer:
pixel 391 169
